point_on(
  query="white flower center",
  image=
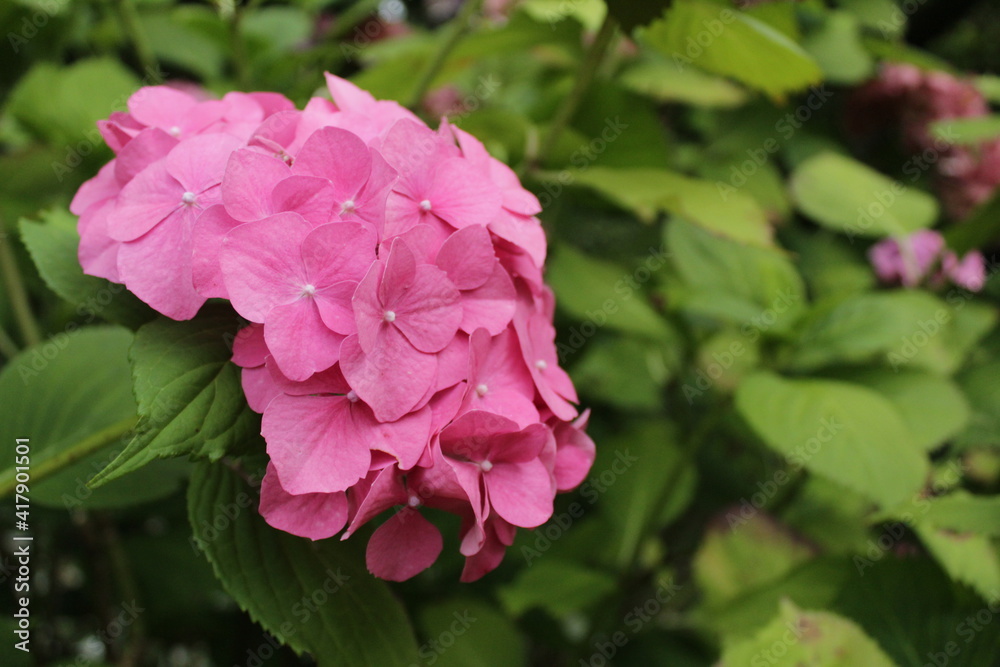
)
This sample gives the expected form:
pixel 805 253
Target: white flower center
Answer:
pixel 188 198
pixel 347 207
pixel 414 501
pixel 352 396
pixel 425 205
pixel 486 466
pixel 389 316
pixel 308 290
pixel 174 131
pixel 481 389
pixel 541 365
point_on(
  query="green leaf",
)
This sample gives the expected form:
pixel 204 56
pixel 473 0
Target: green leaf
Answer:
pixel 648 192
pixel 963 512
pixel 722 40
pixel 979 230
pixel 624 372
pixel 905 329
pixel 53 247
pixel 639 465
pixel 836 45
pixel 560 587
pixel 817 638
pixel 967 131
pixel 744 554
pixel 841 193
pixel 475 634
pixel 595 291
pixel 933 407
pixel 589 13
pixel 663 82
pixel 967 558
pixel 634 14
pixel 842 431
pixel 316 597
pixel 757 289
pixel 65 391
pixel 189 393
pixel 61 104
pixel 981 388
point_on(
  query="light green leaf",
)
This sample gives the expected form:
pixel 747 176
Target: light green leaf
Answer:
pixel 846 432
pixel 648 192
pixel 814 638
pixel 725 41
pixel 60 393
pixel 963 512
pixel 595 291
pixel 836 45
pixel 314 596
pixel 189 393
pixel 983 391
pixel 967 131
pixel 624 372
pixel 590 13
pixel 663 82
pixel 906 329
pixel 744 554
pixel 847 196
pixel 933 407
pixel 62 104
pixel 475 634
pixel 968 558
pixel 53 247
pixel 757 289
pixel 560 587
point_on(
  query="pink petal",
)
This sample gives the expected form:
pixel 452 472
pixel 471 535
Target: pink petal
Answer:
pixel 374 494
pixel 526 233
pixel 392 379
pixel 299 341
pixel 259 388
pixel 310 197
pixel 467 257
pixel 209 233
pixel 427 312
pixel 160 106
pixel 490 306
pixel 463 197
pixel 468 437
pixel 98 252
pixel 574 454
pixel 404 439
pixel 249 179
pixel 313 515
pixel 249 348
pixel 338 156
pixel 147 200
pixel 453 362
pixel 200 162
pixel 157 268
pixel 346 95
pixel 334 303
pixel 404 546
pixel 521 493
pixel 337 252
pixel 313 443
pixel 261 264
pixel 146 148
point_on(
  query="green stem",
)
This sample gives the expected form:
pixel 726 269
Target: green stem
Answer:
pixel 132 27
pixel 239 47
pixel 457 29
pixel 68 457
pixel 584 77
pixel 8 348
pixel 30 331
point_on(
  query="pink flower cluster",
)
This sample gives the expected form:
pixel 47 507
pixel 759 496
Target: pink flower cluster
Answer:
pixel 913 99
pixel 922 258
pixel 401 347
